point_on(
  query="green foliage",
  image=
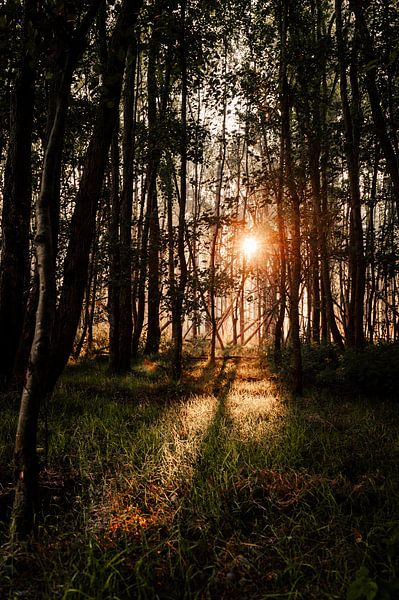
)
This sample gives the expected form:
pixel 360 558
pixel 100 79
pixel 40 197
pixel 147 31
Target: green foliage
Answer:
pixel 372 371
pixel 363 587
pixel 320 363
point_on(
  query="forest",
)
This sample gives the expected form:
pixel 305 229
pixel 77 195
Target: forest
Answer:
pixel 199 299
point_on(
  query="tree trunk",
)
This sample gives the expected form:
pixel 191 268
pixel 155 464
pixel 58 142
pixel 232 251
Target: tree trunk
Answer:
pixel 296 216
pixel 153 327
pixel 282 300
pixel 17 197
pixel 114 256
pixel 351 113
pixel 178 312
pixel 36 383
pixel 125 300
pixel 215 236
pixel 35 387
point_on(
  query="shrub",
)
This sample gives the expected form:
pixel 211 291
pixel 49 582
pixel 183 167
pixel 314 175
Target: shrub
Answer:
pixel 371 371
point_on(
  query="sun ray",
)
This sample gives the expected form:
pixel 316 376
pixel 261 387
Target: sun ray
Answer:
pixel 250 246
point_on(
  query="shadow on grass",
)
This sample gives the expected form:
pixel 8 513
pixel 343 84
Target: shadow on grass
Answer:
pixel 210 445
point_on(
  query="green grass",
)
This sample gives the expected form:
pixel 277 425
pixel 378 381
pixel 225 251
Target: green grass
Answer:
pixel 220 487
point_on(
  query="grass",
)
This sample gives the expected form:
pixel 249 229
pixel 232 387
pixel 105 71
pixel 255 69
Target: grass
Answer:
pixel 221 487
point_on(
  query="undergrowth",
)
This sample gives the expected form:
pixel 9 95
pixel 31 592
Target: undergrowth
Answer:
pixel 372 371
pixel 218 487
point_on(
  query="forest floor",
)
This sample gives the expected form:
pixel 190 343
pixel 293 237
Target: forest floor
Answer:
pixel 220 487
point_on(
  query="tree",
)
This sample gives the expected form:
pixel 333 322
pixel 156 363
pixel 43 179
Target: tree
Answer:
pixel 17 198
pixel 35 387
pixel 84 216
pixel 351 114
pixel 49 354
pixel 179 290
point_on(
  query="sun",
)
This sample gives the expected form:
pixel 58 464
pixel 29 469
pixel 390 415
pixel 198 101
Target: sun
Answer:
pixel 250 246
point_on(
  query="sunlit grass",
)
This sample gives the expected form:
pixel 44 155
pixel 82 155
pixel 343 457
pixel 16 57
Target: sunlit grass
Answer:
pixel 253 406
pixel 184 428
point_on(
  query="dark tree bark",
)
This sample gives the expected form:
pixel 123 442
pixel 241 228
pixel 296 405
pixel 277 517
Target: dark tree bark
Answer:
pixel 282 300
pixel 351 113
pixel 17 197
pixel 34 391
pixel 295 258
pixel 316 124
pixel 125 299
pixel 216 230
pixel 69 48
pixel 295 274
pixel 114 255
pixel 153 326
pixel 140 285
pixel 328 315
pixel 177 300
pixel 370 251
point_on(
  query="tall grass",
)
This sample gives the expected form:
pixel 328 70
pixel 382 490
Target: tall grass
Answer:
pixel 218 488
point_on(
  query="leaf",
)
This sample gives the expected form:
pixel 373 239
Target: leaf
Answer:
pixel 362 587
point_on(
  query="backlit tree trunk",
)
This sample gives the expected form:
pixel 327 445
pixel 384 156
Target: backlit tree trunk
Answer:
pixel 153 326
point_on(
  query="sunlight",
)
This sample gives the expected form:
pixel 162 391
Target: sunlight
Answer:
pixel 250 246
pixel 253 406
pixel 184 426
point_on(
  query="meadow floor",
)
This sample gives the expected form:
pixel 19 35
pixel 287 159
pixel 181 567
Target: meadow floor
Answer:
pixel 220 487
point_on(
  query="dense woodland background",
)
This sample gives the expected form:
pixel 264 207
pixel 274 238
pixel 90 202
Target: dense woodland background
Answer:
pixel 143 143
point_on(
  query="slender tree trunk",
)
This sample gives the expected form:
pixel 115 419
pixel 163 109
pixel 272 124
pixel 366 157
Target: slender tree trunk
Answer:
pixel 328 303
pixel 296 215
pixel 153 326
pixel 36 383
pixel 142 275
pixel 35 387
pixel 178 313
pixel 114 268
pixel 125 301
pixel 215 236
pixel 17 197
pixel 25 456
pixel 282 303
pixel 351 115
pixel 67 53
pixel 371 252
pixel 89 305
